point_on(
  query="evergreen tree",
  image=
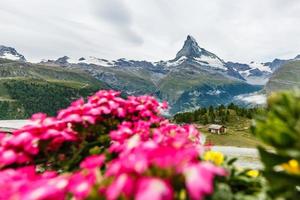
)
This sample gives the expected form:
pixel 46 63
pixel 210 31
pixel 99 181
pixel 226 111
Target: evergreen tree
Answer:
pixel 205 119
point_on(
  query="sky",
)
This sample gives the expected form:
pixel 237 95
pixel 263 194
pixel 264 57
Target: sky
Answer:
pixel 235 30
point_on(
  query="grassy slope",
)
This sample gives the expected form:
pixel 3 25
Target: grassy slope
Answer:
pixel 29 88
pixel 285 78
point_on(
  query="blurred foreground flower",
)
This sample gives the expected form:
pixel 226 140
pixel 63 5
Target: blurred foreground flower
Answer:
pixel 253 173
pixel 213 156
pixel 292 167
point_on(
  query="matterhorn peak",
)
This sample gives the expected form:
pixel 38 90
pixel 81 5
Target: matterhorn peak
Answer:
pixel 190 48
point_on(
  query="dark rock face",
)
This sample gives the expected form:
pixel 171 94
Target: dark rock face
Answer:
pixel 62 61
pixel 234 73
pixel 238 66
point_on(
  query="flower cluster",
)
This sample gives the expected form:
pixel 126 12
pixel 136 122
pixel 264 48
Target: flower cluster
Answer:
pixel 45 135
pixel 108 147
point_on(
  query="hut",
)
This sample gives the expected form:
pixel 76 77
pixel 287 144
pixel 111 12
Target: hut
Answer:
pixel 216 128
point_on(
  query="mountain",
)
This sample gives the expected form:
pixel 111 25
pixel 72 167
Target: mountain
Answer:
pixel 191 52
pixel 254 73
pixel 286 77
pixel 195 77
pixel 259 73
pixel 11 54
pixel 27 88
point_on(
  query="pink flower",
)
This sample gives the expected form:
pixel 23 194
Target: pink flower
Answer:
pixel 7 157
pixel 81 184
pixel 153 189
pixel 93 161
pixel 122 185
pixel 199 179
pixel 24 183
pixel 43 189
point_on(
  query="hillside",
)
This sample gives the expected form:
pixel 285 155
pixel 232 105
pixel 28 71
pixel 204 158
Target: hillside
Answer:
pixel 285 78
pixel 27 88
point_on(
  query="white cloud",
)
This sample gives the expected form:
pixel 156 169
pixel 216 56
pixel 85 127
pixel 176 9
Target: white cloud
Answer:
pixel 151 30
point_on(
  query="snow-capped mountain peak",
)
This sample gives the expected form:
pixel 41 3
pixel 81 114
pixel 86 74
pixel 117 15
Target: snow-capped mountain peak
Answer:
pixel 10 53
pixel 190 48
pixel 193 52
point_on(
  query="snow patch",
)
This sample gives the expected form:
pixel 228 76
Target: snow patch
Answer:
pixel 212 61
pixel 195 93
pixel 176 62
pixel 10 56
pixel 214 92
pixel 94 60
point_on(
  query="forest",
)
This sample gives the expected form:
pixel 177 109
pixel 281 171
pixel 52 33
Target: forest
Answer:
pixel 219 114
pixel 29 96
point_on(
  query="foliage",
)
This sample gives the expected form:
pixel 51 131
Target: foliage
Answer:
pixel 30 96
pixel 279 127
pixel 240 184
pixel 220 114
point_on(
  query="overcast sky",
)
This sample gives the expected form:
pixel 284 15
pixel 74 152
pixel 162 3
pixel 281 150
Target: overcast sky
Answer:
pixel 236 30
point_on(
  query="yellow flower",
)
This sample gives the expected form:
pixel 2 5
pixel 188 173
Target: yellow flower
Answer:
pixel 253 173
pixel 292 167
pixel 182 195
pixel 215 157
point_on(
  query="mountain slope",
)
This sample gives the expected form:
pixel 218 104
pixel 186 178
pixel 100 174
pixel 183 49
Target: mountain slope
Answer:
pixel 27 88
pixel 285 78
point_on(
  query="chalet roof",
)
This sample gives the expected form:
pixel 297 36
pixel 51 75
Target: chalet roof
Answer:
pixel 215 126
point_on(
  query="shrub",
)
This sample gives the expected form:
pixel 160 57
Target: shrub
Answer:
pixel 279 129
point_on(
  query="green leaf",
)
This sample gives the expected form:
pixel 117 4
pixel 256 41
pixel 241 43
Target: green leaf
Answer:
pixel 283 184
pixel 270 159
pixel 231 161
